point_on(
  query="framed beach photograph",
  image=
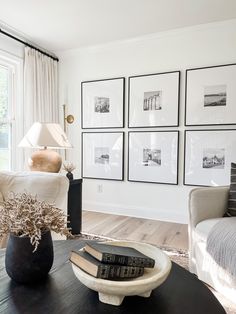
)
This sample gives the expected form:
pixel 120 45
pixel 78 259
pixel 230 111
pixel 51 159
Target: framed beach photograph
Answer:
pixel 210 95
pixel 103 155
pixel 154 100
pixel 208 157
pixel 102 103
pixel 153 157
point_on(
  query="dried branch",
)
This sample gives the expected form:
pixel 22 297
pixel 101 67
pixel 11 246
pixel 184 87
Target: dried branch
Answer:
pixel 68 166
pixel 23 215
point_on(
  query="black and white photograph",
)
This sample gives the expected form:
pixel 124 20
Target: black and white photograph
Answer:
pixel 103 155
pixel 154 100
pixel 208 156
pixel 210 95
pixel 214 95
pixel 102 103
pixel 153 157
pixel 213 158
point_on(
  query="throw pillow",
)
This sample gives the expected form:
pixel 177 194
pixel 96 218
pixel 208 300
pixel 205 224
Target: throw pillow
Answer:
pixel 232 192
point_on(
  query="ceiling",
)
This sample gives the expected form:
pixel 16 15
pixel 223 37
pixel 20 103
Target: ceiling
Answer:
pixel 59 25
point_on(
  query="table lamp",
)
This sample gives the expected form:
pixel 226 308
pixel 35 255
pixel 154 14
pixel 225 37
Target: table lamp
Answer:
pixel 44 136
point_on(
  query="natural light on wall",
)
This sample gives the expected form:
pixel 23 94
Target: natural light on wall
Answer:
pixel 5 99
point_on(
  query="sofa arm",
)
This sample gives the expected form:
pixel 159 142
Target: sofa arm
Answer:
pixel 207 203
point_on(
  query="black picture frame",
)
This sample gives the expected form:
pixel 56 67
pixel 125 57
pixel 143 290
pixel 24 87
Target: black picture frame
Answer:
pixel 195 115
pixel 155 75
pixel 121 114
pixel 122 156
pixel 177 157
pixel 211 175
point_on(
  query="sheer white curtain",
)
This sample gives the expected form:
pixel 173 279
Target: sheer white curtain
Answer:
pixel 40 90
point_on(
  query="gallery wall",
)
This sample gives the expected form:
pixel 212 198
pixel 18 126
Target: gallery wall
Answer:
pixel 199 46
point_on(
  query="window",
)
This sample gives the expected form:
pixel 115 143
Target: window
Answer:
pixel 11 126
pixel 5 118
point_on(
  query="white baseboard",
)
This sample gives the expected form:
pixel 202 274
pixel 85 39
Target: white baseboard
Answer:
pixel 139 212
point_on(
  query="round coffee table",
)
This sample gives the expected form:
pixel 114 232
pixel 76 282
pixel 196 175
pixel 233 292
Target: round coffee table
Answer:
pixel 62 292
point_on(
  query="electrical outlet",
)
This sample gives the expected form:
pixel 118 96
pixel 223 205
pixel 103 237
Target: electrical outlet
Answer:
pixel 99 188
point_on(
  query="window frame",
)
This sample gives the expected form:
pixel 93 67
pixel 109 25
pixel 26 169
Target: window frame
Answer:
pixel 15 65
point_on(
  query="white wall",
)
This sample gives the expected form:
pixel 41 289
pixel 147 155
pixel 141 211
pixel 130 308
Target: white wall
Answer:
pixel 203 45
pixel 11 46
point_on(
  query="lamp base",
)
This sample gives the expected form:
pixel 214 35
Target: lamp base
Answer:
pixel 45 160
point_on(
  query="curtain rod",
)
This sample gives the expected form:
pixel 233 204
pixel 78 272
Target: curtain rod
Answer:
pixel 29 45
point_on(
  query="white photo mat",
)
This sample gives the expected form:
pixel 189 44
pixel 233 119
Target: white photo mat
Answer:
pixel 153 157
pixel 102 103
pixel 102 155
pixel 211 95
pixel 154 100
pixel 208 157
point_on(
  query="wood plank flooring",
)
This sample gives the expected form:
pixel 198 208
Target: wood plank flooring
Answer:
pixel 136 229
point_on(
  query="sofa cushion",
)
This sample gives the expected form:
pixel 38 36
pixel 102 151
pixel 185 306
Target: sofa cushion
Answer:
pixel 203 228
pixel 231 211
pixel 49 187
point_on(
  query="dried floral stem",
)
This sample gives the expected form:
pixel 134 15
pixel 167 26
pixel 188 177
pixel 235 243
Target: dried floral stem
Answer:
pixel 68 166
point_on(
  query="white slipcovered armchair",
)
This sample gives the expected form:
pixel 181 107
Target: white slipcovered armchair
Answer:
pixel 49 187
pixel 207 207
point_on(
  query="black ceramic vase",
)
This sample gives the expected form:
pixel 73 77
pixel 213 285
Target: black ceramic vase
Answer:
pixel 24 266
pixel 70 175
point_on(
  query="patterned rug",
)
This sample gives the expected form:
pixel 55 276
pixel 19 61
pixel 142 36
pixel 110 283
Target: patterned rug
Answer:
pixel 181 258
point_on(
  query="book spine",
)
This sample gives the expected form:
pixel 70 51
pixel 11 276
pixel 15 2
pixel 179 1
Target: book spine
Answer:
pixel 141 262
pixel 128 260
pixel 103 271
pixel 109 271
pixel 130 271
pixel 114 259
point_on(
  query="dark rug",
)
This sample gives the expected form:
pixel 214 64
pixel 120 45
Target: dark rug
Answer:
pixel 178 256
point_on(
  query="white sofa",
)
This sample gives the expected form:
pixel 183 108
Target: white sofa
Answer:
pixel 49 187
pixel 207 207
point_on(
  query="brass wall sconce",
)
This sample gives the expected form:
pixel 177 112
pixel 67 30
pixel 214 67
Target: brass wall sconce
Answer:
pixel 67 118
pixel 70 118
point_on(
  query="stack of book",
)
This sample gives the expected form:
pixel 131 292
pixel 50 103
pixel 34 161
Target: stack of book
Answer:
pixel 111 262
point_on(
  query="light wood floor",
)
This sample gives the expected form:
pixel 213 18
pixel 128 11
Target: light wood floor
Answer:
pixel 136 229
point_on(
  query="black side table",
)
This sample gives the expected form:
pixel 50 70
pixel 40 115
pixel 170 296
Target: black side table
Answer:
pixel 75 205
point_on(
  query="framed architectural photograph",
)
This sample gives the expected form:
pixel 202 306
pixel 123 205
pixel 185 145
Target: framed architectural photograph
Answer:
pixel 102 103
pixel 153 157
pixel 210 95
pixel 208 157
pixel 154 100
pixel 103 155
